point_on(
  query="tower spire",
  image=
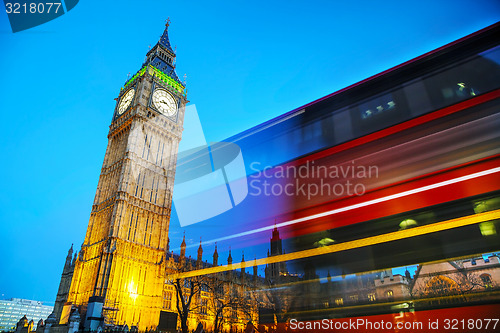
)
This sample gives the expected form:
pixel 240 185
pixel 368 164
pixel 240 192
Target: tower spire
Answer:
pixel 162 56
pixel 216 255
pixel 164 41
pixel 255 269
pixel 183 246
pixel 243 271
pixel 69 256
pixel 200 254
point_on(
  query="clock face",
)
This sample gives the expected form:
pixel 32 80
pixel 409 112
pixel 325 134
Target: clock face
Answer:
pixel 126 100
pixel 164 102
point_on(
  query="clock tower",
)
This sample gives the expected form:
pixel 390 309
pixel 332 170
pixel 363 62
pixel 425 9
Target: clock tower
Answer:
pixel 122 261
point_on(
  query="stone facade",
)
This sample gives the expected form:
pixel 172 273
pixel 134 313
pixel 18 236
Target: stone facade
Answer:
pixel 233 297
pixel 123 257
pixel 64 286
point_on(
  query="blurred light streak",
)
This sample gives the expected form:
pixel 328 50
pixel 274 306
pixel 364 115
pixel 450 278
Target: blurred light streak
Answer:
pixel 389 237
pixel 358 205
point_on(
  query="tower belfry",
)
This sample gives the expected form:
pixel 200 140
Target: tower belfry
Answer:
pixel 122 259
pixel 276 270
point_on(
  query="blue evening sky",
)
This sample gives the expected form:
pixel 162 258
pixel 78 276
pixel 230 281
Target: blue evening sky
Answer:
pixel 246 62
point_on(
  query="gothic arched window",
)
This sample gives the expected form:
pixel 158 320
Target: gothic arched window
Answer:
pixel 486 280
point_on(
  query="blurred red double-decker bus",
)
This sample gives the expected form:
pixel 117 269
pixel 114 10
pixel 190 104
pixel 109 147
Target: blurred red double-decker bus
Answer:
pixel 386 196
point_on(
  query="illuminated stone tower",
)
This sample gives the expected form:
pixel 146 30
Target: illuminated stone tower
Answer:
pixel 122 259
pixel 275 271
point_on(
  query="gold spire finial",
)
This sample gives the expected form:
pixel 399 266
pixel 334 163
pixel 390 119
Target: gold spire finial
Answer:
pixel 167 21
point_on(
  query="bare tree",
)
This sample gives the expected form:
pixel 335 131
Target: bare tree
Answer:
pixel 457 286
pixel 224 298
pixel 186 290
pixel 471 282
pixel 280 297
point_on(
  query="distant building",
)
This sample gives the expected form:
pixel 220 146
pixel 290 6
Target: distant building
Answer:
pixel 276 272
pixel 15 308
pixel 227 299
pixel 451 282
pixel 462 280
